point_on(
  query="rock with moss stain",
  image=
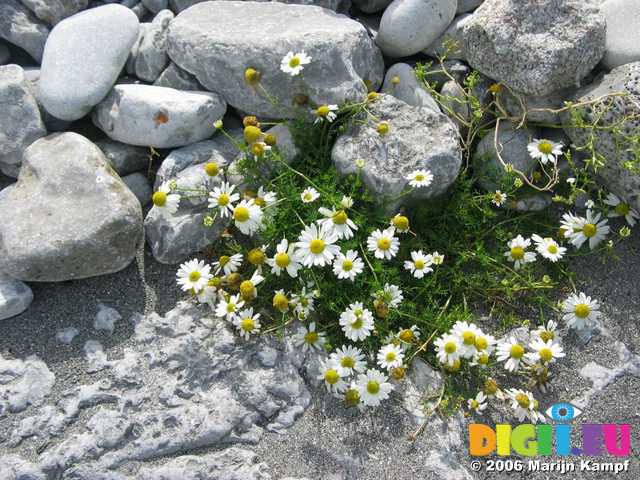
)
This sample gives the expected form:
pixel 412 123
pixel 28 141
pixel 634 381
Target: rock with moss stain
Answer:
pixel 68 216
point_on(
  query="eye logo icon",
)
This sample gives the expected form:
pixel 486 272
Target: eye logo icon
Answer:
pixel 563 412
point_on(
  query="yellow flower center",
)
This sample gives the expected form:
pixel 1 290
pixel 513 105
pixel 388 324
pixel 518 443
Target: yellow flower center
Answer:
pixel 373 387
pixel 241 214
pixel 270 139
pixel 517 253
pixel 582 310
pixel 419 264
pixel 352 397
pixel 523 400
pixel 407 335
pixel 159 199
pixel 474 404
pixel 211 168
pixel 347 362
pixel 247 289
pixel 371 96
pixel 384 243
pixel 311 337
pixel 545 147
pixel 383 128
pixel 316 246
pixel 517 351
pixel 282 260
pixel 347 265
pixel 622 209
pixel 468 338
pixel 547 335
pixel 401 222
pixel 450 347
pixel 481 343
pixel 357 324
pixel 257 149
pixel 490 387
pixel 252 133
pixel 280 301
pixel 223 199
pixel 256 257
pixel 483 359
pixel 552 249
pixel 340 217
pixel 331 377
pixel 390 357
pixel 395 80
pixel 194 276
pixel 419 177
pixel 589 230
pixel 323 111
pixel 223 260
pixel 294 61
pixel 247 324
pixel 545 354
pixel 231 307
pixel 214 282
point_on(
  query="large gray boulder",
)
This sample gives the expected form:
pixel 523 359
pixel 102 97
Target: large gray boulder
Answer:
pixel 20 122
pixel 623 32
pixel 15 297
pixel 69 215
pixel 54 11
pixel 401 82
pixel 22 28
pixel 149 55
pixel 409 26
pixel 615 145
pixel 451 42
pixel 83 58
pixel 216 41
pixel 123 158
pixel 535 47
pixel 160 117
pixel 175 77
pixel 418 138
pixel 52 124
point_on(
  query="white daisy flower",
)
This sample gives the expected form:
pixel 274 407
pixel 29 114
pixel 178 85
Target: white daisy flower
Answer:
pixel 447 349
pixel 247 217
pixel 467 333
pixel 384 244
pixel 309 195
pixel 265 198
pixel 223 198
pixel 545 150
pixel 373 387
pixel 303 303
pixel 518 252
pixel 480 359
pixel 284 259
pixel 309 339
pixel 258 149
pixel 165 200
pixel 339 221
pixel 331 374
pixel 524 406
pixel 357 322
pixel 511 352
pixel 349 359
pixel 348 265
pixel 316 245
pixel 208 295
pixel 622 209
pixel 498 198
pixel 590 228
pixel 420 178
pixel 420 264
pixel 484 343
pixel 571 224
pixel 548 248
pixel 544 352
pixel 547 332
pixel 391 295
pixel 580 311
pixel 193 275
pixel 228 264
pixel 390 356
pixel 346 202
pixel 229 307
pixel 438 258
pixel 293 63
pixel 247 323
pixel 325 113
pixel 478 404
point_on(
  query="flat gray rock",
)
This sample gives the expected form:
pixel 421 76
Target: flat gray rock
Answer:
pixel 54 11
pixel 22 28
pixel 160 117
pixel 123 158
pixel 372 6
pixel 139 186
pixel 409 26
pixel 149 56
pixel 611 111
pixel 623 32
pixel 69 215
pixel 83 58
pixel 211 41
pixel 15 297
pixel 418 138
pixel 20 122
pixel 401 82
pixel 535 47
pixel 175 77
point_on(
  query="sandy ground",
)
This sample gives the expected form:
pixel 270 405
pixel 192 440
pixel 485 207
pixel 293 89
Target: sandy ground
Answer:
pixel 328 442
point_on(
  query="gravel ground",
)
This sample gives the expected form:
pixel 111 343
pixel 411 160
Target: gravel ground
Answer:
pixel 328 442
